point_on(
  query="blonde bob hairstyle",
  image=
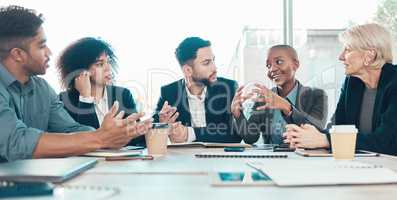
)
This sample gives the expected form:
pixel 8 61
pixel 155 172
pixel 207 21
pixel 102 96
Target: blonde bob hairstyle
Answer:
pixel 370 37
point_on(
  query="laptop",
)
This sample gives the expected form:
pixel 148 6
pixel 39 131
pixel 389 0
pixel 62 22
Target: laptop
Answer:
pixel 55 170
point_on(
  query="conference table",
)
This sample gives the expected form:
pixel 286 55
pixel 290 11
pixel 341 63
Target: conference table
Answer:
pixel 181 175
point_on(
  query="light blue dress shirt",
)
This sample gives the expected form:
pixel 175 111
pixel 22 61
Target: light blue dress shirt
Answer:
pixel 278 123
pixel 26 112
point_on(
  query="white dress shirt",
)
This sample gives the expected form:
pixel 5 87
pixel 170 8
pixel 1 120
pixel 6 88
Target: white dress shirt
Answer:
pixel 101 106
pixel 197 112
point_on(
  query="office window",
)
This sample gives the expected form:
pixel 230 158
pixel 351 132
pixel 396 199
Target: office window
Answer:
pixel 146 33
pixel 316 28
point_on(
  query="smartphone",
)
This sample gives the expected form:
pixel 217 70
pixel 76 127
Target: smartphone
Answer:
pixel 19 189
pixel 283 148
pixel 234 149
pixel 160 125
pixel 133 148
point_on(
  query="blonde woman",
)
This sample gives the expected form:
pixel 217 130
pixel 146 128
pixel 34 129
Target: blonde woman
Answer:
pixel 369 95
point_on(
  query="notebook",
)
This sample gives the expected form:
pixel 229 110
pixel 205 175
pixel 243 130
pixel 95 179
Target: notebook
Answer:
pixel 113 153
pixel 209 145
pixel 324 172
pixel 327 153
pixel 45 170
pixel 240 155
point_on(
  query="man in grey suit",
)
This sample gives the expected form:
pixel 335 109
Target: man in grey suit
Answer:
pixel 288 103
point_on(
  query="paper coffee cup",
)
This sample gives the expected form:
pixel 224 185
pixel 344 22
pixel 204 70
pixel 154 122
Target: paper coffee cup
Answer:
pixel 343 141
pixel 156 139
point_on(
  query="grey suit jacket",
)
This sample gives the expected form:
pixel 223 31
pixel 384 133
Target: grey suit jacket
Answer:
pixel 311 107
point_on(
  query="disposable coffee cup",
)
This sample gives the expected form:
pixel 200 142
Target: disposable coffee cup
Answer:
pixel 343 141
pixel 156 139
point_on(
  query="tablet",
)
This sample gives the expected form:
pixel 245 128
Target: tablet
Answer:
pixel 247 178
pixel 328 153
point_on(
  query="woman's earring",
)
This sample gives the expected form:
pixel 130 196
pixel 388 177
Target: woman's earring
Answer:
pixel 366 63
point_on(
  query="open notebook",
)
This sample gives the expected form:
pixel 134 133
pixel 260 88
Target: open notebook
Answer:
pixel 324 172
pixel 208 145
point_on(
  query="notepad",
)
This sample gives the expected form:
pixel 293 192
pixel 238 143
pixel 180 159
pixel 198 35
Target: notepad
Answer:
pixel 327 153
pixel 324 172
pixel 209 145
pixel 239 155
pixel 113 153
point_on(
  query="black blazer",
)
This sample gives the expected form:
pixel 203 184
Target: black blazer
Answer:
pixel 217 109
pixel 84 113
pixel 383 138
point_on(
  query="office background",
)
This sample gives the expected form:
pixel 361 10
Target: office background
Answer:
pixel 145 34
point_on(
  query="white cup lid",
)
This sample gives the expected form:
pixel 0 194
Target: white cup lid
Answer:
pixel 343 129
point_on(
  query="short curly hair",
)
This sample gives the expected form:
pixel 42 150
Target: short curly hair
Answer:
pixel 80 55
pixel 17 25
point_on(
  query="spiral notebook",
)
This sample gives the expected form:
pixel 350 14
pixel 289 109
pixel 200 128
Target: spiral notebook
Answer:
pixel 240 155
pixel 324 172
pixel 209 145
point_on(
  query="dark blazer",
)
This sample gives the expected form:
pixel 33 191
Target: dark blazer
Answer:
pixel 383 138
pixel 84 113
pixel 311 107
pixel 217 109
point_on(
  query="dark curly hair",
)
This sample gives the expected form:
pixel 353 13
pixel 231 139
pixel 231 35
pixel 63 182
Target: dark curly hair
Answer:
pixel 187 49
pixel 17 24
pixel 79 56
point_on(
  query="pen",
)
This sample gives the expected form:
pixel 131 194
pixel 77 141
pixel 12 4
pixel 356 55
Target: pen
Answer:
pixel 119 158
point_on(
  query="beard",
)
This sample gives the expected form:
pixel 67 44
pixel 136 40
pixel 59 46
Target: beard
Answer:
pixel 34 67
pixel 201 81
